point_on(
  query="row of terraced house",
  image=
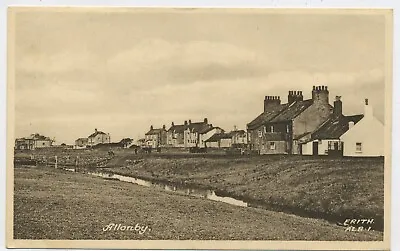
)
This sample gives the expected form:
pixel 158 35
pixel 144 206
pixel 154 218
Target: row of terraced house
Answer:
pixel 300 126
pixel 194 134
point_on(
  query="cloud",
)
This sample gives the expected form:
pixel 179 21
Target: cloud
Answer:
pixel 157 81
pixel 153 62
pixel 66 61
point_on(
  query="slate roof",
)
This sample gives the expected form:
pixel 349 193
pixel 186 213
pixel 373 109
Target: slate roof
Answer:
pixel 335 127
pixel 154 131
pixel 266 116
pixel 177 128
pixel 301 135
pixel 95 134
pixel 218 136
pixel 207 129
pixel 292 111
pixel 232 133
pixel 82 139
pixel 198 126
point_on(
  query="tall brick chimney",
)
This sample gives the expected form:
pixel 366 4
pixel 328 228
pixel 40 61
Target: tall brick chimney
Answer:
pixel 271 102
pixel 294 96
pixel 151 127
pixel 172 124
pixel 205 121
pixel 320 94
pixel 337 107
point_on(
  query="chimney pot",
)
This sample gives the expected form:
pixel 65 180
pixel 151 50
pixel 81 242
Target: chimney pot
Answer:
pixel 366 101
pixel 337 107
pixel 313 87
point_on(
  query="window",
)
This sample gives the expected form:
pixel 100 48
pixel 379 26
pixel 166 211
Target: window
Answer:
pixel 271 128
pixel 287 128
pixel 335 145
pixel 330 145
pixel 272 145
pixel 259 133
pixel 43 143
pixel 359 147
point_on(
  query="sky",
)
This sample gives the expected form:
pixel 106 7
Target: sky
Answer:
pixel 121 72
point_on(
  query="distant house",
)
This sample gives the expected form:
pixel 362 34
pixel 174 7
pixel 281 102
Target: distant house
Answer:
pixel 176 135
pixel 239 138
pixel 278 128
pixel 366 138
pixel 32 142
pixel 156 137
pixel 98 137
pixel 207 133
pixel 192 132
pixel 141 142
pixel 325 140
pixel 81 142
pixel 219 140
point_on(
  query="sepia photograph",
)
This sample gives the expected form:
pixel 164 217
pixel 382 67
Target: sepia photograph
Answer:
pixel 199 128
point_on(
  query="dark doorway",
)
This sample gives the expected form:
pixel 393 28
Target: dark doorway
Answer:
pixel 335 148
pixel 315 148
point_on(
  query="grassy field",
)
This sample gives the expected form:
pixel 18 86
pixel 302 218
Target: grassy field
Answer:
pixel 327 188
pixel 56 204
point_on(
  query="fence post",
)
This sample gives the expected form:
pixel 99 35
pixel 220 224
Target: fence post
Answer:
pixel 55 165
